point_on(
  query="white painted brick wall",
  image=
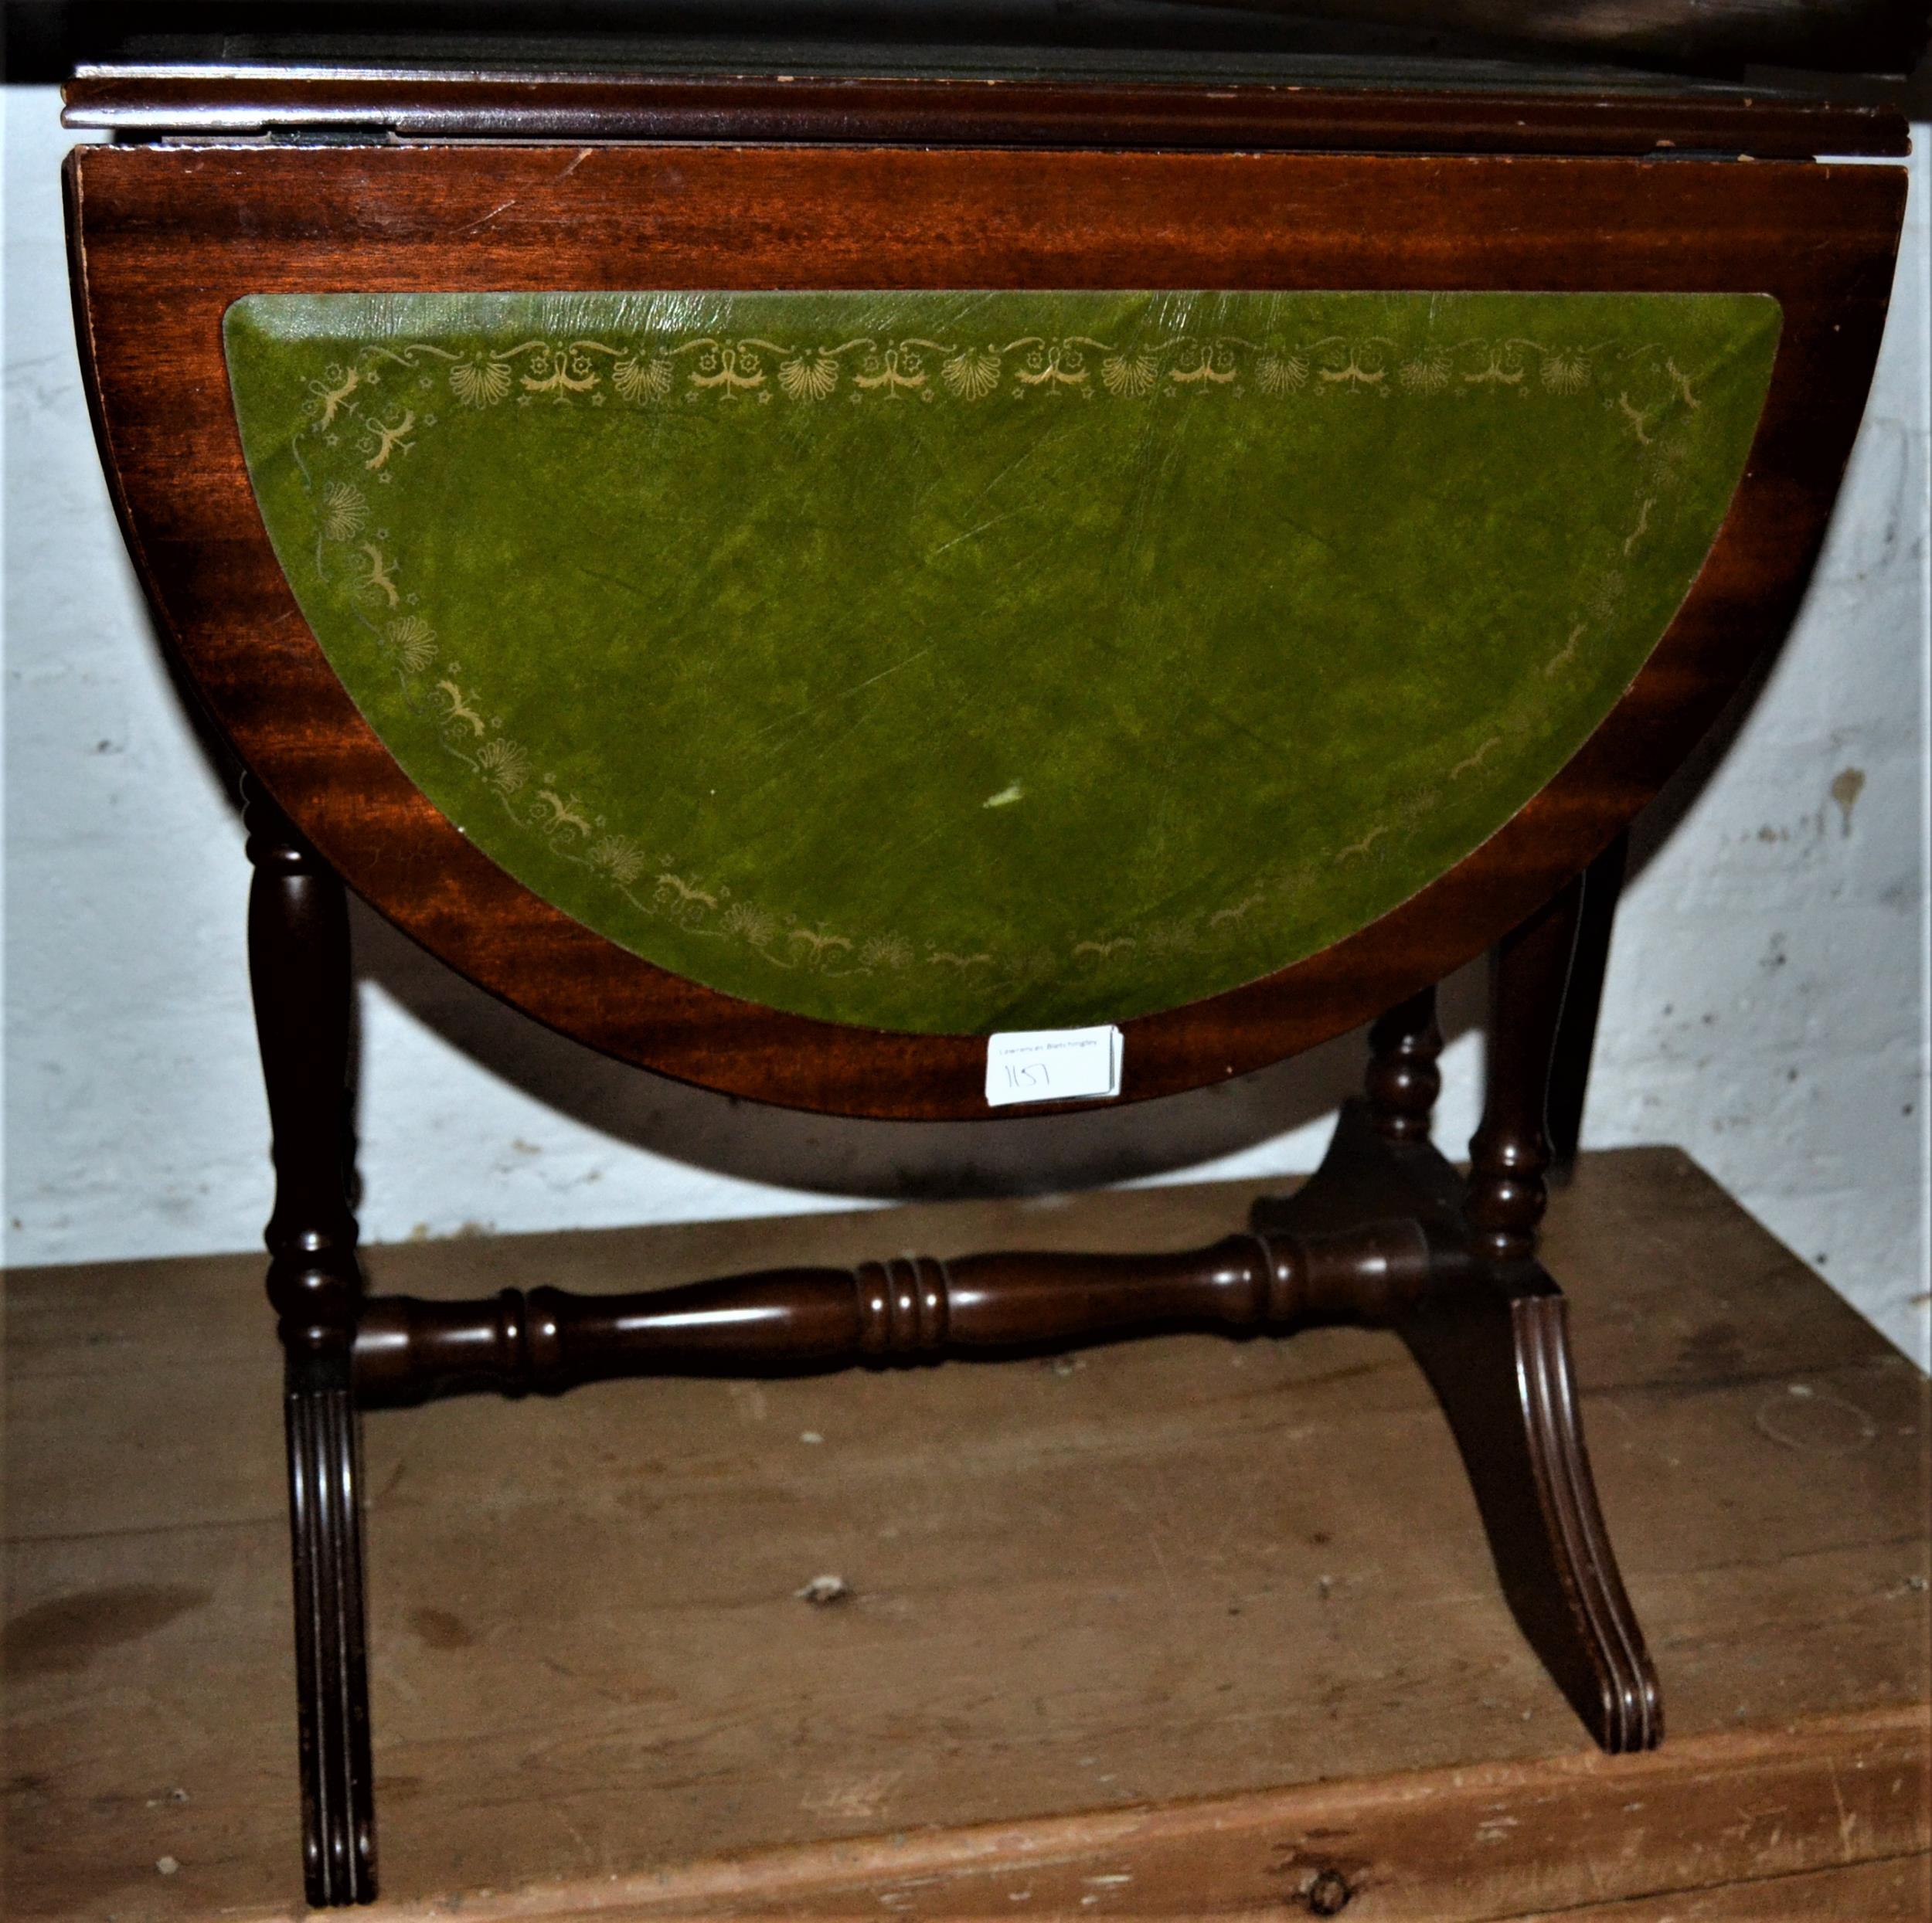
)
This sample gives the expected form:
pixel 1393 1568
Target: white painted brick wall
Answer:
pixel 1766 1004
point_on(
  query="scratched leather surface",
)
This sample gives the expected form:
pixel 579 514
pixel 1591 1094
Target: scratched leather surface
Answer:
pixel 956 661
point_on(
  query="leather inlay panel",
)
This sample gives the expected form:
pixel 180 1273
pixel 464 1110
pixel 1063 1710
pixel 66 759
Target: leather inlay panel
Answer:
pixel 949 661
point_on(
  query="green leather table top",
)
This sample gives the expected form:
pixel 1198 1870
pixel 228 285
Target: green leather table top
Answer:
pixel 956 661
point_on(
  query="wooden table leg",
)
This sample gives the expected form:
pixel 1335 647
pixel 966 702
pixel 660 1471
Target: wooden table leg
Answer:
pixel 299 962
pixel 1577 1030
pixel 1497 1350
pixel 1491 1329
pixel 1528 970
pixel 1403 1080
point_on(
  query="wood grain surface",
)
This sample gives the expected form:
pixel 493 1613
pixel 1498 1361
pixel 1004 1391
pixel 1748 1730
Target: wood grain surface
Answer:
pixel 164 239
pixel 864 110
pixel 1083 1598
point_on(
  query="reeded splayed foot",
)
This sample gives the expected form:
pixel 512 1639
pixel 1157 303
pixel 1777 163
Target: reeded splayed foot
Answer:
pixel 299 951
pixel 1492 1332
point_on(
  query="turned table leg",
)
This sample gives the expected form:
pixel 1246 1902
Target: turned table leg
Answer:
pixel 299 962
pixel 1528 970
pixel 1577 1029
pixel 1403 1080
